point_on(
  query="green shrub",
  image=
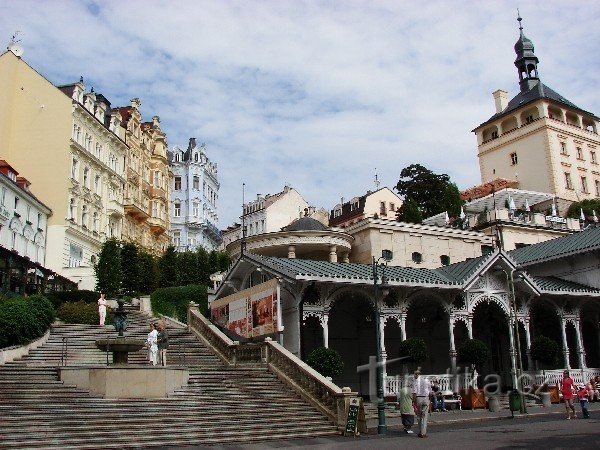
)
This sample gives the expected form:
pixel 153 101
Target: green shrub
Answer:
pixel 415 349
pixel 473 352
pixel 173 301
pixel 82 312
pixel 61 297
pixel 546 351
pixel 326 361
pixel 23 320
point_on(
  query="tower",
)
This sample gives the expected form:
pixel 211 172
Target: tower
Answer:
pixel 540 139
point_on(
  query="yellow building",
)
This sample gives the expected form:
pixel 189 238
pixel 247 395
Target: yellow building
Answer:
pixel 540 138
pixel 148 180
pixel 68 143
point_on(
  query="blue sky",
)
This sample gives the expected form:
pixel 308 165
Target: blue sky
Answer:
pixel 317 94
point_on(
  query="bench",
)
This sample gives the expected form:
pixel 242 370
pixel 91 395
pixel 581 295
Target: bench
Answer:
pixel 452 400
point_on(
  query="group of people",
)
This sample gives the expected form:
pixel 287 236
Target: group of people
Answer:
pixel 416 402
pixel 157 343
pixel 584 393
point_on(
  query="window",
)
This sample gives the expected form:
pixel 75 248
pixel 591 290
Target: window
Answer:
pixel 563 148
pixel 72 208
pixel 529 119
pixel 86 177
pixel 96 221
pixel 84 216
pixel 382 209
pixel 191 242
pixel 74 167
pixel 97 184
pixel 513 159
pixel 417 257
pixel 597 183
pixel 354 206
pixel 3 197
pixel 337 212
pixel 177 209
pixel 176 238
pixel 568 183
pixel 579 153
pixel 392 207
pixel 196 183
pixel 39 221
pixel 155 209
pixel 16 203
pixel 156 178
pixel 195 157
pixel 584 186
pixel 494 134
pixel 520 245
pixel 445 260
pixel 75 255
pixel 593 157
pixel 486 249
pixel 28 216
pixel 195 209
pixel 177 183
pixel 98 151
pixel 176 157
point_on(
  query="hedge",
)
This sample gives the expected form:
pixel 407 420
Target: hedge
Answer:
pixel 24 319
pixel 173 301
pixel 82 312
pixel 61 297
pixel 326 361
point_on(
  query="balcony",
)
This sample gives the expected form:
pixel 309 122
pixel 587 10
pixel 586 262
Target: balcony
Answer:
pixel 114 208
pixel 136 210
pixel 157 225
pixel 156 192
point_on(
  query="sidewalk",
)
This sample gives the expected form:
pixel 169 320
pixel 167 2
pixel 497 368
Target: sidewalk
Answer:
pixel 393 419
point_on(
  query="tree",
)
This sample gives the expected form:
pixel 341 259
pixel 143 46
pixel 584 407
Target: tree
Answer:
pixel 473 352
pixel 202 261
pixel 167 268
pixel 223 261
pixel 130 268
pixel 432 193
pixel 414 350
pixel 187 268
pixel 546 351
pixel 213 262
pixel 149 274
pixel 588 206
pixel 108 268
pixel 326 361
pixel 409 212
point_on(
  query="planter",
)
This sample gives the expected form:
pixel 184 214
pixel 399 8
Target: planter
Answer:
pixel 545 397
pixel 493 404
pixel 554 394
pixel 472 398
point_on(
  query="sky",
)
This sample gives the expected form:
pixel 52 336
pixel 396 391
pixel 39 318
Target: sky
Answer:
pixel 320 95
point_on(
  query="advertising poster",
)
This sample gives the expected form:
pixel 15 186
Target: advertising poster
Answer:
pixel 249 313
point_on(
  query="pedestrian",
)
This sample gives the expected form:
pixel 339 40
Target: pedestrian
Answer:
pixel 162 340
pixel 582 394
pixel 421 390
pixel 437 399
pixel 152 345
pixel 102 304
pixel 407 409
pixel 568 392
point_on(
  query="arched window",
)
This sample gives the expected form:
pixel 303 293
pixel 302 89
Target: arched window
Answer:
pixel 84 216
pixel 417 257
pixel 445 260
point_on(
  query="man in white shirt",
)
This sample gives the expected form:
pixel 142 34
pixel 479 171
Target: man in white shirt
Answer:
pixel 421 390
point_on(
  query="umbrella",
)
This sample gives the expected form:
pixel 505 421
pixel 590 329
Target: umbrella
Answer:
pixel 446 218
pixel 462 213
pixel 582 215
pixel 553 209
pixel 527 208
pixel 595 217
pixel 511 204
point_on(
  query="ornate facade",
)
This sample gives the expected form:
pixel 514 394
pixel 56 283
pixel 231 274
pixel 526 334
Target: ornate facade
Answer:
pixel 194 195
pixel 147 190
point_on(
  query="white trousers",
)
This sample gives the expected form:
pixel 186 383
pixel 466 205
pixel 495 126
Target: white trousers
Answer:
pixel 423 404
pixel 102 314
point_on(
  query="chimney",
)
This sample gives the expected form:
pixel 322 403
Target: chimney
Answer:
pixel 156 122
pixel 135 103
pixel 501 99
pixel 342 201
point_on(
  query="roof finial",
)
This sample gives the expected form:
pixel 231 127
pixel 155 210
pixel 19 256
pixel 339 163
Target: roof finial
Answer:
pixel 519 19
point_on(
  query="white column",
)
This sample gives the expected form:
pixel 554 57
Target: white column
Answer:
pixel 403 327
pixel 292 252
pixel 470 326
pixel 564 339
pixel 513 360
pixel 325 325
pixel 452 344
pixel 530 365
pixel 580 344
pixel 332 253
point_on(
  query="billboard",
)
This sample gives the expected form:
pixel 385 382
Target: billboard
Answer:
pixel 250 313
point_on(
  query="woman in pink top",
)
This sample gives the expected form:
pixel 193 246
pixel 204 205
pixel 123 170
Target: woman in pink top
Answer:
pixel 568 393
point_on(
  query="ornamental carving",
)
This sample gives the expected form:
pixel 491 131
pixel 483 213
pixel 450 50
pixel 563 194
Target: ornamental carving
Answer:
pixel 487 298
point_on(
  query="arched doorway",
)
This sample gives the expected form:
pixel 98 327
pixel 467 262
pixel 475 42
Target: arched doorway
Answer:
pixel 393 338
pixel 312 335
pixel 572 345
pixel 590 334
pixel 352 334
pixel 427 319
pixel 490 325
pixel 546 322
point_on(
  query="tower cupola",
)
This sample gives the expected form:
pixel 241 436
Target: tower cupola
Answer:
pixel 526 61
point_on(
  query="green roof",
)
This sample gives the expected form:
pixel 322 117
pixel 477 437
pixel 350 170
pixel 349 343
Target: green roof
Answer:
pixel 553 284
pixel 581 242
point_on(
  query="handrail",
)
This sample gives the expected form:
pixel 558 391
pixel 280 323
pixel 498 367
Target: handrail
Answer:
pixel 64 351
pixel 326 396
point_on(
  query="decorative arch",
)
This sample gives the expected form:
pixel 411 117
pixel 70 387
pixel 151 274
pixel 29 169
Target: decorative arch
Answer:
pixel 427 294
pixel 335 296
pixel 487 298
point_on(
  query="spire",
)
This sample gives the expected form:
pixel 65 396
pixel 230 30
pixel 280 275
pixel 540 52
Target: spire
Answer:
pixel 526 62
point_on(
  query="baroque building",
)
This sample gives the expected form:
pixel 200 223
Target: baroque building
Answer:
pixel 67 141
pixel 539 137
pixel 148 175
pixel 194 195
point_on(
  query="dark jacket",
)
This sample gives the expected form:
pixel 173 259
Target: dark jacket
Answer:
pixel 162 339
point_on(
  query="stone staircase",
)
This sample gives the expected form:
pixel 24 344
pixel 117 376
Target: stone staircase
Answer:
pixel 220 404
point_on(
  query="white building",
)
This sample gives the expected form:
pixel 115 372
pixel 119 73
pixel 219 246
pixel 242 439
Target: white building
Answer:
pixel 194 194
pixel 23 218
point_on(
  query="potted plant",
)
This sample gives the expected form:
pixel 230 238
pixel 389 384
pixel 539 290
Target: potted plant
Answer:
pixel 326 361
pixel 413 350
pixel 475 353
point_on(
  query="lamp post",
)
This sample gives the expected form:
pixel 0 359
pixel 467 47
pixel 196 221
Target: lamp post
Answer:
pixel 381 427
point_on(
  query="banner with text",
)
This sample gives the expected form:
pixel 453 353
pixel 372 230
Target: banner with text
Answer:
pixel 249 313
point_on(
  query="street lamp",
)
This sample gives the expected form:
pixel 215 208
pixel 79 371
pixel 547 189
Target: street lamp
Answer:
pixel 387 256
pixel 513 309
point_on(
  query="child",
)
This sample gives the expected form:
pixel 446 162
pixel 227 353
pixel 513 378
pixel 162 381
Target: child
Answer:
pixel 407 410
pixel 582 394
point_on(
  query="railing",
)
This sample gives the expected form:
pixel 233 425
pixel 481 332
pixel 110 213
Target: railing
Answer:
pixel 447 382
pixel 312 386
pixel 64 351
pixel 553 377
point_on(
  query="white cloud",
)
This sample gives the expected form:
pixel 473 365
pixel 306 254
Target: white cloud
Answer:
pixel 314 93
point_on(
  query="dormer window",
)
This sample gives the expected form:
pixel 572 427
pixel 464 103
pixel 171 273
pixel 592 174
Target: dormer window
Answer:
pixel 337 212
pixel 494 134
pixel 529 119
pixel 12 176
pixel 195 157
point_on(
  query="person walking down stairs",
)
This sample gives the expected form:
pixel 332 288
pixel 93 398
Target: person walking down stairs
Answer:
pixel 102 304
pixel 152 345
pixel 162 340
